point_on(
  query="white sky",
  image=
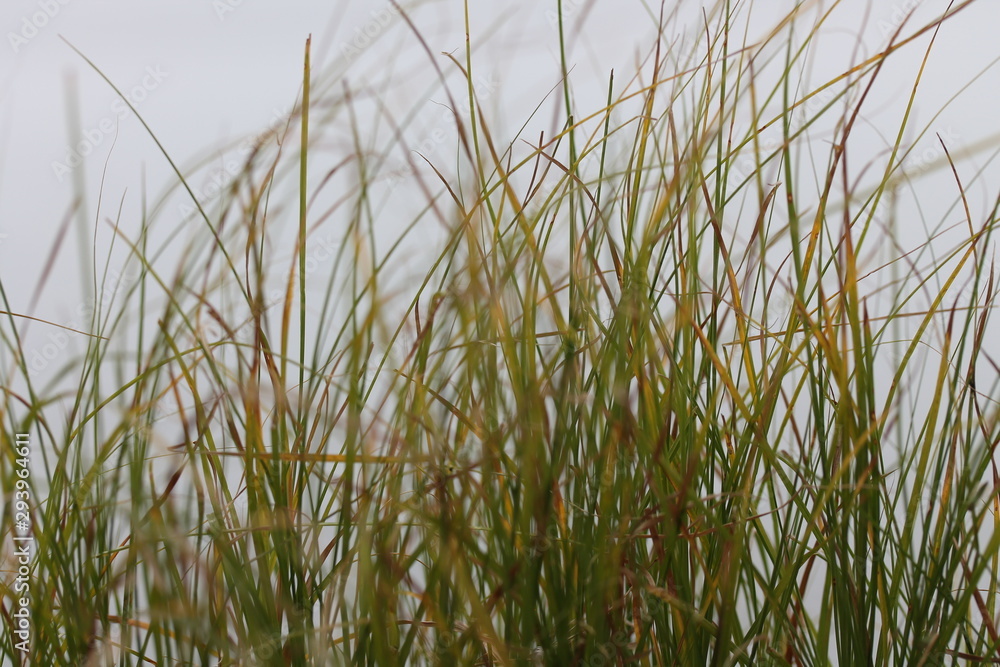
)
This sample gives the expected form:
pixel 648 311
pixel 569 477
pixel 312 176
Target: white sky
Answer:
pixel 205 72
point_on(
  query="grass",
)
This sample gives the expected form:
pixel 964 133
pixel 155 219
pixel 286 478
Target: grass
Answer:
pixel 664 386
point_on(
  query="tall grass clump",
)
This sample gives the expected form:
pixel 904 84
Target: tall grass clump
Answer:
pixel 667 382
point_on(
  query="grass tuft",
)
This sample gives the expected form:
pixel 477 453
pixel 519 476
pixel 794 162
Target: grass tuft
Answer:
pixel 663 385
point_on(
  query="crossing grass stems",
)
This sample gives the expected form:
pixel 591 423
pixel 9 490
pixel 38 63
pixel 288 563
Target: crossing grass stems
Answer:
pixel 661 395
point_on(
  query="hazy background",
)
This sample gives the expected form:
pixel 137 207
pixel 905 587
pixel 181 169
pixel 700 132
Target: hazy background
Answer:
pixel 207 73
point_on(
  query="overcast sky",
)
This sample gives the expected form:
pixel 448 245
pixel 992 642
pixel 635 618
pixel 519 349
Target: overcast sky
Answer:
pixel 206 72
